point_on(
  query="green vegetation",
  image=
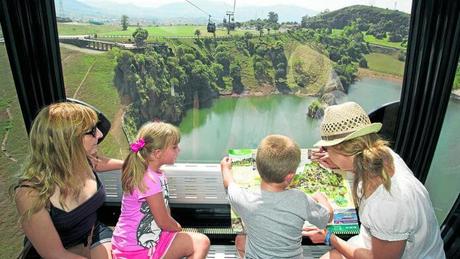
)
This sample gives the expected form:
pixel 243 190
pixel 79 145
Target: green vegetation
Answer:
pixel 173 31
pixel 375 21
pixel 15 146
pixel 383 42
pixel 84 28
pixel 457 78
pixel 385 64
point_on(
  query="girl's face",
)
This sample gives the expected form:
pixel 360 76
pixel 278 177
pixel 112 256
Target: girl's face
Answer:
pixel 342 161
pixel 169 154
pixel 90 140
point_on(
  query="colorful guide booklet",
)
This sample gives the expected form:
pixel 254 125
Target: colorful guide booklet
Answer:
pixel 310 178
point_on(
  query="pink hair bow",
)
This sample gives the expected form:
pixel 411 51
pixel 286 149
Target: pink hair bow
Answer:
pixel 137 145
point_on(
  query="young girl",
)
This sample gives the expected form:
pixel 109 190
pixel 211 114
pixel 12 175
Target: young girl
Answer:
pixel 145 228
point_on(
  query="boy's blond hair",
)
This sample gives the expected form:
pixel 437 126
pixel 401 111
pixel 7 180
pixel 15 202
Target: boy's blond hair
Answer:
pixel 277 156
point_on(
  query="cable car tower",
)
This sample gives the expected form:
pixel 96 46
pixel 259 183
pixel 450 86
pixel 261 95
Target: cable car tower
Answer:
pixel 231 19
pixel 211 27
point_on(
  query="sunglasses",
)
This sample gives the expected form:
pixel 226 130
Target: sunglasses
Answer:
pixel 92 131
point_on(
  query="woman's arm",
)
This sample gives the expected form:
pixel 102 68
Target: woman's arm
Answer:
pixel 39 228
pixel 380 248
pixel 161 213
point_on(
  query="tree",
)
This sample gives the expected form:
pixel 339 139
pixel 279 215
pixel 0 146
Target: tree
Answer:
pixel 197 33
pixel 140 35
pixel 272 18
pixel 124 22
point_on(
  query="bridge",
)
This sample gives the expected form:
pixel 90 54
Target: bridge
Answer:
pixel 85 41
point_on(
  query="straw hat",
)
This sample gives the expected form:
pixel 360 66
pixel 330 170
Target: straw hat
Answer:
pixel 344 122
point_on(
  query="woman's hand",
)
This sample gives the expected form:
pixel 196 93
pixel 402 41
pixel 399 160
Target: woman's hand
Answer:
pixel 321 156
pixel 315 234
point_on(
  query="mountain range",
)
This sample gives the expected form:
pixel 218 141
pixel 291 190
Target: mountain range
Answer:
pixel 179 12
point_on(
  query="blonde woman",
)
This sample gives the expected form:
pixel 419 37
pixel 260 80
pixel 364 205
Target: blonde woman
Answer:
pixel 397 218
pixel 58 192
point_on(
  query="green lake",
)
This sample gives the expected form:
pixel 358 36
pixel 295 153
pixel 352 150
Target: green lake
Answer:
pixel 241 122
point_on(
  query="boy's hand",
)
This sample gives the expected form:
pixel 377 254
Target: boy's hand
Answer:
pixel 315 234
pixel 226 170
pixel 226 163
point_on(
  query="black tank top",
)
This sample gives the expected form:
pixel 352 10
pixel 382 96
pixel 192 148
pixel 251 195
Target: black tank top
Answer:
pixel 75 226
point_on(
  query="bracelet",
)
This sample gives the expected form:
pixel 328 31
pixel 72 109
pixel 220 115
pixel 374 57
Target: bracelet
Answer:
pixel 327 239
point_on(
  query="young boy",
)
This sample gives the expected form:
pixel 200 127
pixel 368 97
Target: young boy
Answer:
pixel 274 216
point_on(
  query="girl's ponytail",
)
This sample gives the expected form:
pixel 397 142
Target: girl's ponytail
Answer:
pixel 151 136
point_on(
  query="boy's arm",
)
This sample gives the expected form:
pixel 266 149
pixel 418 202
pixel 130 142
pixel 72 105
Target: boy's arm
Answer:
pixel 226 169
pixel 321 199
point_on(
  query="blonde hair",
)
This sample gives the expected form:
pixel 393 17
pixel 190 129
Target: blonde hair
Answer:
pixel 277 156
pixel 156 135
pixel 57 153
pixel 372 159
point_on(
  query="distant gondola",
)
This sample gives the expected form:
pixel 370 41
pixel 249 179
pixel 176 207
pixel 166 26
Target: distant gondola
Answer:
pixel 211 26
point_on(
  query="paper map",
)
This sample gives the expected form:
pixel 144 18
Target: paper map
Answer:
pixel 310 178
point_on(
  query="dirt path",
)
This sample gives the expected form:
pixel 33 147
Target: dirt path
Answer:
pixel 84 79
pixel 5 138
pixel 117 130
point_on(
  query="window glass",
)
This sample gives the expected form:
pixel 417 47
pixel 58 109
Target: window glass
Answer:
pixel 13 139
pixel 444 179
pixel 225 74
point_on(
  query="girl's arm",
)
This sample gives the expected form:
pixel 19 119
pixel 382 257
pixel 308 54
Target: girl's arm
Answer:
pixel 102 164
pixel 380 248
pixel 161 213
pixel 39 228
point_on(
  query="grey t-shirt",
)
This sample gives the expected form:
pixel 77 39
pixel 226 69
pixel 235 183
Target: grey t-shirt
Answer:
pixel 273 220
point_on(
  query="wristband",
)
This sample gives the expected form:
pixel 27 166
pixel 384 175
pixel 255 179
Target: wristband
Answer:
pixel 327 239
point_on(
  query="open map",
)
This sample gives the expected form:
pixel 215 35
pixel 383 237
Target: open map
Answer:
pixel 310 178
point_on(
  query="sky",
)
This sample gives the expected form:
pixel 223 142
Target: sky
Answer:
pixel 317 5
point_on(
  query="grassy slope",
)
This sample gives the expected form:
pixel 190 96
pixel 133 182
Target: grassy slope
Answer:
pixel 154 31
pixel 383 42
pixel 385 64
pixel 17 141
pixel 317 64
pixel 97 90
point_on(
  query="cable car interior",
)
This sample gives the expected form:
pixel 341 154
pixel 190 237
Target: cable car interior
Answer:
pixel 413 124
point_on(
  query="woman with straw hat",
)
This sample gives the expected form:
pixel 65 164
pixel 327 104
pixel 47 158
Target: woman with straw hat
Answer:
pixel 397 218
